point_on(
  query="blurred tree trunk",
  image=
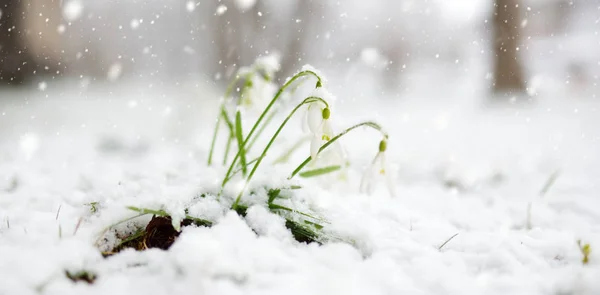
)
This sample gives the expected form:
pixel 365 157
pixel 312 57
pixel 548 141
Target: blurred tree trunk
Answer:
pixel 508 73
pixel 16 62
pixel 227 40
pixel 305 16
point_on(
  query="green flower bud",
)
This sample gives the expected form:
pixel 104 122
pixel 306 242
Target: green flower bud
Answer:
pixel 326 113
pixel 382 145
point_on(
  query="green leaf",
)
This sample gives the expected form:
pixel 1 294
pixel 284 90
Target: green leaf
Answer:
pixel 241 210
pixel 316 225
pixel 273 194
pixel 273 207
pixel 149 211
pixel 302 233
pixel 320 171
pixel 197 221
pixel 240 139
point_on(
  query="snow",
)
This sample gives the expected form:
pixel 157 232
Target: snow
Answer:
pixel 459 166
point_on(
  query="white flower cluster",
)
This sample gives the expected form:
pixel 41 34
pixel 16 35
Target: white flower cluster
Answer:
pixel 380 167
pixel 318 120
pixel 259 87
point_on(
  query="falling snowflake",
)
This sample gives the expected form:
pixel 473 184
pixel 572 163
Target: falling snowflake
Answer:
pixel 135 23
pixel 190 6
pixel 221 9
pixel 373 58
pixel 72 10
pixel 114 72
pixel 42 86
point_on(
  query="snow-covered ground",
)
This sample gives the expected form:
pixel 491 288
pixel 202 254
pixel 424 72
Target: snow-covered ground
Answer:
pixel 460 166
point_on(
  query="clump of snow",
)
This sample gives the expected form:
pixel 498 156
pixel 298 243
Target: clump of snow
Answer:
pixel 72 10
pixel 324 93
pixel 314 70
pixel 265 223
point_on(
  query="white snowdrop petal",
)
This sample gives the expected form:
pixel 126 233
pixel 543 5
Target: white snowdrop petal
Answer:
pixel 339 152
pixel 315 118
pixel 367 176
pixel 315 144
pixel 327 130
pixel 390 183
pixel 305 121
pixel 382 166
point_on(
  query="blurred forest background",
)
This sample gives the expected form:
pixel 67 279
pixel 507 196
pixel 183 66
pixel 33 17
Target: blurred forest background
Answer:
pixel 480 46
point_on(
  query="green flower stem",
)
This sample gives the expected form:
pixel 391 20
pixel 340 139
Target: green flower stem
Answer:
pixel 308 100
pixel 281 90
pixel 239 170
pixel 324 146
pixel 227 148
pixel 240 140
pixel 286 156
pixel 260 131
pixel 222 115
pixel 214 140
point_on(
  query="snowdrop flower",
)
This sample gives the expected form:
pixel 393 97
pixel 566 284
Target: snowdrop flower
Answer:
pixel 269 65
pixel 258 93
pixel 259 88
pixel 378 166
pixel 317 119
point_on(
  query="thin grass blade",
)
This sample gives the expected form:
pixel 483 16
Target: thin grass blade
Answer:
pixel 320 171
pixel 240 140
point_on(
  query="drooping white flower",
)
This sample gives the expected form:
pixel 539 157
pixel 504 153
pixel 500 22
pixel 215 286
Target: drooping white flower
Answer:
pixel 268 64
pixel 317 119
pixel 259 88
pixel 257 93
pixel 378 167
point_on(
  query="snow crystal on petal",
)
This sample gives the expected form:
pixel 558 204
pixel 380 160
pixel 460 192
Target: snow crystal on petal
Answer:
pixel 323 93
pixel 313 69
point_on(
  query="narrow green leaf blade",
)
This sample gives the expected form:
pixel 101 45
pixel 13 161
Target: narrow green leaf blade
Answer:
pixel 320 171
pixel 240 140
